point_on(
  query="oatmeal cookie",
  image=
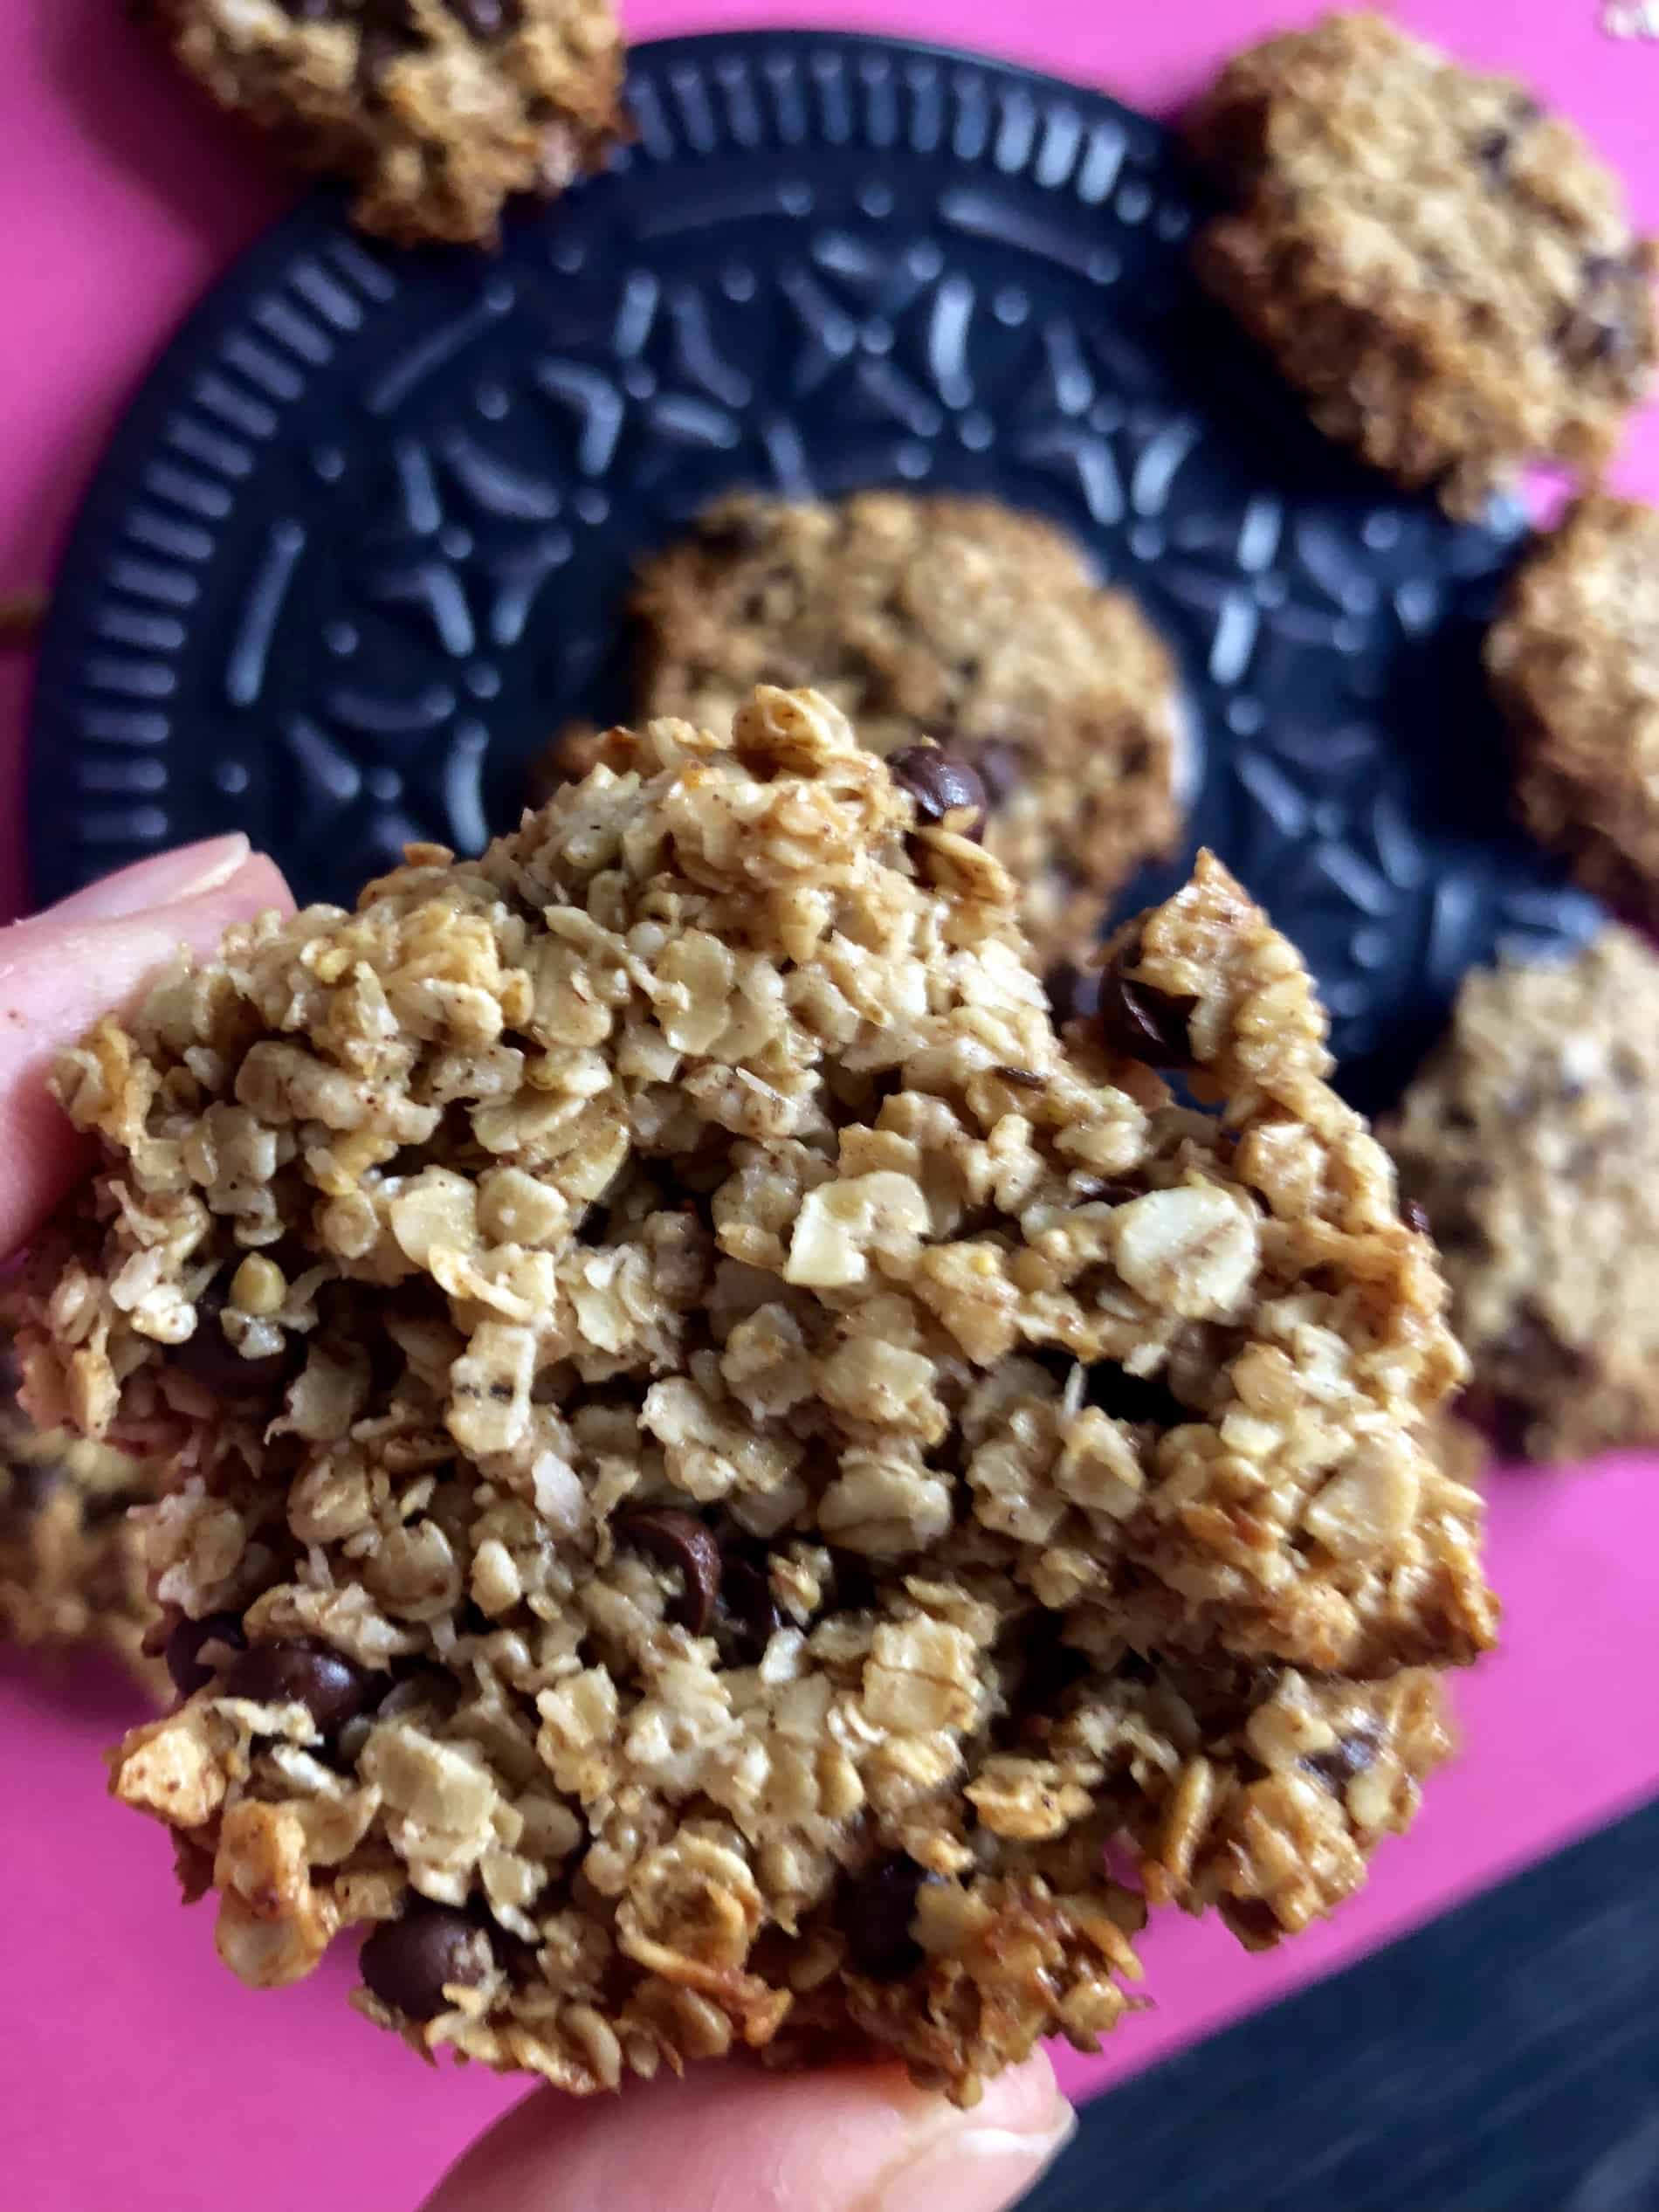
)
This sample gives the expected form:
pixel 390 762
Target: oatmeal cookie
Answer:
pixel 1447 274
pixel 71 1562
pixel 1575 661
pixel 951 619
pixel 438 111
pixel 1531 1140
pixel 719 1465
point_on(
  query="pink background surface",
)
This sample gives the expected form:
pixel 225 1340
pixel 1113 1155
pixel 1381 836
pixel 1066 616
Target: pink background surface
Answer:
pixel 132 2070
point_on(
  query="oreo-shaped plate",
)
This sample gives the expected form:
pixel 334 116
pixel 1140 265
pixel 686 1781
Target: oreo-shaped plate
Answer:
pixel 365 539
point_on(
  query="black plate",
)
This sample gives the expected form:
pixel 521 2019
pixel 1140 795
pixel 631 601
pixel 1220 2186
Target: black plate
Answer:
pixel 364 538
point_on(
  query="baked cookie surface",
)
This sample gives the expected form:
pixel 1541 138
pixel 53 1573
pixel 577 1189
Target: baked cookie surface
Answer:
pixel 1447 275
pixel 438 111
pixel 1573 659
pixel 1531 1140
pixel 719 1465
pixel 953 619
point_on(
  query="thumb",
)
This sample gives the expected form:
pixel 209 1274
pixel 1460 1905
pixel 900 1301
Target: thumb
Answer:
pixel 62 969
pixel 738 2139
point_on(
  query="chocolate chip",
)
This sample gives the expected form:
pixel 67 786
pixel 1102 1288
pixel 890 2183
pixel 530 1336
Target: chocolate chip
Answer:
pixel 676 1539
pixel 315 10
pixel 1141 1021
pixel 1022 1078
pixel 209 1357
pixel 1348 1756
pixel 1000 764
pixel 34 1484
pixel 10 1377
pixel 185 1643
pixel 876 1910
pixel 1134 1398
pixel 940 786
pixel 1416 1217
pixel 410 1962
pixel 484 19
pixel 1074 992
pixel 332 1688
pixel 751 1614
pixel 425 1688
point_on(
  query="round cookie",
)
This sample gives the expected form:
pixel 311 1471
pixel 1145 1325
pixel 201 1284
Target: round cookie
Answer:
pixel 1573 659
pixel 1448 275
pixel 719 1465
pixel 951 619
pixel 1531 1140
pixel 438 111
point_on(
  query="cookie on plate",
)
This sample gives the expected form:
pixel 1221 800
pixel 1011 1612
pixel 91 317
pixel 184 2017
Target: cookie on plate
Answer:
pixel 733 1466
pixel 1448 275
pixel 438 111
pixel 1575 659
pixel 953 619
pixel 1531 1140
pixel 71 1563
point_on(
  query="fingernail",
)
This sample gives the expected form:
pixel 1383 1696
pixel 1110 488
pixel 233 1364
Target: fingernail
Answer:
pixel 972 2169
pixel 162 881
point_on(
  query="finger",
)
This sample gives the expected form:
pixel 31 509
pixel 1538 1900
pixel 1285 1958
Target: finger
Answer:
pixel 58 972
pixel 738 2139
pixel 163 880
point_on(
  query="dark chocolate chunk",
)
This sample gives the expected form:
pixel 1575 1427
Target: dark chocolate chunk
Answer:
pixel 209 1357
pixel 677 1538
pixel 410 1962
pixel 940 786
pixel 332 1688
pixel 752 1615
pixel 422 1688
pixel 185 1643
pixel 1416 1217
pixel 876 1914
pixel 1141 1021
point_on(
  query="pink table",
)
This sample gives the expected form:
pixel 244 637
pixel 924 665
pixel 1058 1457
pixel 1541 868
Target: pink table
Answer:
pixel 135 2071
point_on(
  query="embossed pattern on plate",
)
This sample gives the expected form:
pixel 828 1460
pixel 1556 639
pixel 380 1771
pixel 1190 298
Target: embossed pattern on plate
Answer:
pixel 364 538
